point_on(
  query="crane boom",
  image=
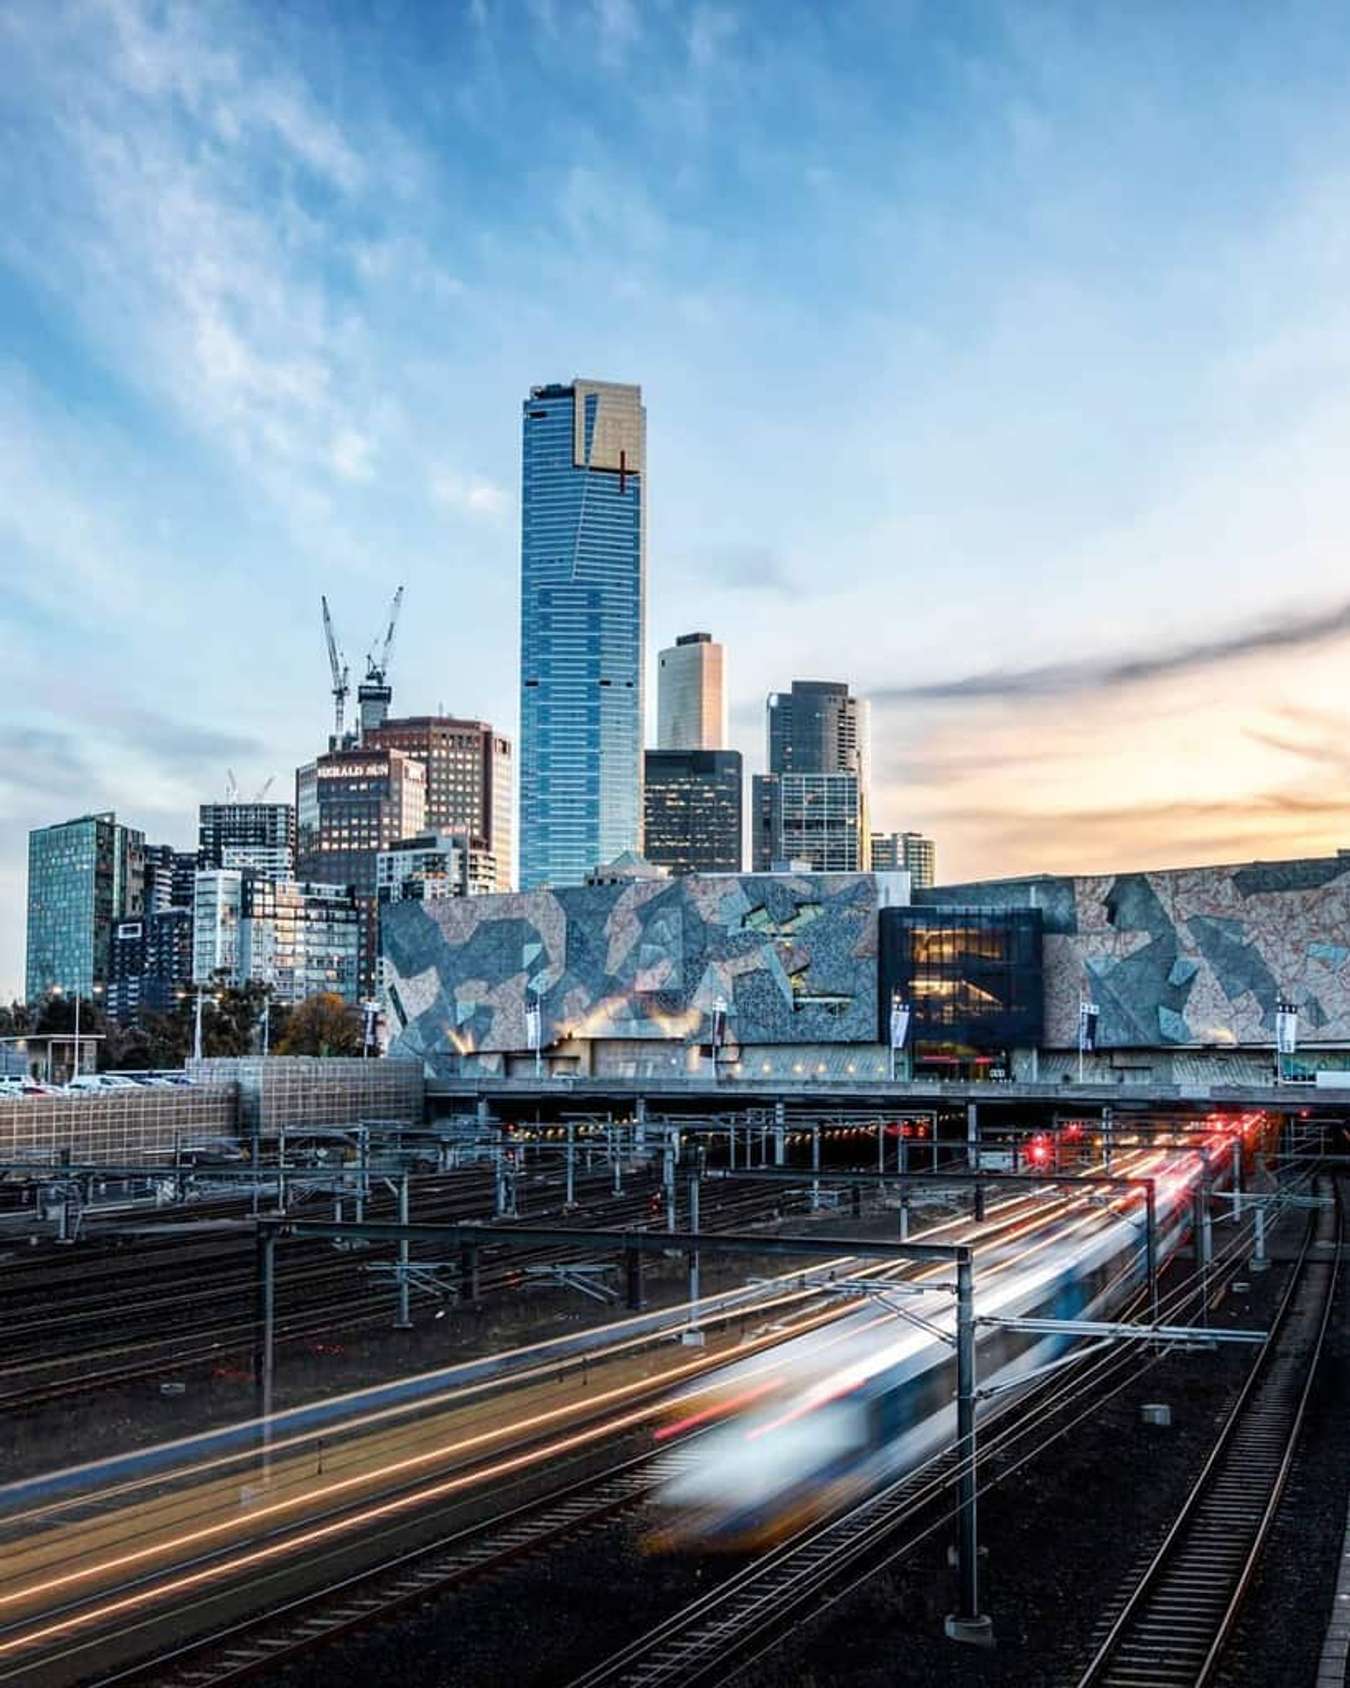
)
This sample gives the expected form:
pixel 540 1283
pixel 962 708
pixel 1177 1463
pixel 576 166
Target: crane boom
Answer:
pixel 377 661
pixel 339 668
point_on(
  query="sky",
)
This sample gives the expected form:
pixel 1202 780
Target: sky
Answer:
pixel 994 356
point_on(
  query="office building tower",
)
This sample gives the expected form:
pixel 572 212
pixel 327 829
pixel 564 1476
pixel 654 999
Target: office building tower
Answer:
pixel 435 864
pixel 150 963
pixel 583 598
pixel 812 805
pixel 469 780
pixel 911 851
pixel 257 836
pixel 83 877
pixel 168 877
pixel 691 705
pixel 817 820
pixel 350 804
pixel 692 810
pixel 818 728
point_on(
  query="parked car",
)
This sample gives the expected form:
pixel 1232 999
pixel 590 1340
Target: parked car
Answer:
pixel 86 1083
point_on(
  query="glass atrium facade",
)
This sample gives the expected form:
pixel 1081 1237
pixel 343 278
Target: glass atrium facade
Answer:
pixel 583 598
pixel 974 982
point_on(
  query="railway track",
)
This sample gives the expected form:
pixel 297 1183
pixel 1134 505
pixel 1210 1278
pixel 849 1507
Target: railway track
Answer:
pixel 245 1650
pixel 321 1296
pixel 712 1639
pixel 1172 1626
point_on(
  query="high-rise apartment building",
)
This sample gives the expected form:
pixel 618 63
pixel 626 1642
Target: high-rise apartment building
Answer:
pixel 692 801
pixel 150 962
pixel 217 911
pixel 435 864
pixel 691 705
pixel 583 602
pixel 296 938
pixel 256 836
pixel 911 851
pixel 812 805
pixel 168 876
pixel 469 780
pixel 301 938
pixel 350 804
pixel 83 877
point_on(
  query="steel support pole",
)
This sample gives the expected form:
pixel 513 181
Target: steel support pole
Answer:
pixel 640 1124
pixel 570 1199
pixel 362 1170
pixel 967 1623
pixel 468 1275
pixel 264 1364
pixel 616 1162
pixel 404 1319
pixel 731 1143
pixel 694 1289
pixel 973 1156
pixel 1258 1261
pixel 1151 1249
pixel 881 1145
pixel 668 1180
pixel 815 1166
pixel 1108 1132
pixel 632 1271
pixel 780 1133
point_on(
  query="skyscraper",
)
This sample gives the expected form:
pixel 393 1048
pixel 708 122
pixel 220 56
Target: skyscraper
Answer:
pixel 818 728
pixel 812 804
pixel 691 705
pixel 351 804
pixel 83 877
pixel 693 810
pixel 468 768
pixel 583 611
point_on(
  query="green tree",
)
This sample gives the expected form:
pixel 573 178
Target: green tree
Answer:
pixel 322 1025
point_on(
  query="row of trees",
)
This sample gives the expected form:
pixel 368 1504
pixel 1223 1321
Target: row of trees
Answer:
pixel 232 1018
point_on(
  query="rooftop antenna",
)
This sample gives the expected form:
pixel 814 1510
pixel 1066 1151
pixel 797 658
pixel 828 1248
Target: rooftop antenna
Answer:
pixel 340 673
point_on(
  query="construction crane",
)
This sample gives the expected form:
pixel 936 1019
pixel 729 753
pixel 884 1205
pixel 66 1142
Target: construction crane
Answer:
pixel 265 787
pixel 340 674
pixel 375 694
pixel 231 786
pixel 377 666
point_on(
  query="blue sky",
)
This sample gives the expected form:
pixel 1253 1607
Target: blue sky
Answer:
pixel 995 359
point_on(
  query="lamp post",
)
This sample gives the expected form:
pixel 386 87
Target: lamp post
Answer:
pixel 899 1029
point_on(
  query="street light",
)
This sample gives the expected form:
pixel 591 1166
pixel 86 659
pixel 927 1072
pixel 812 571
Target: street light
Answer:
pixel 94 990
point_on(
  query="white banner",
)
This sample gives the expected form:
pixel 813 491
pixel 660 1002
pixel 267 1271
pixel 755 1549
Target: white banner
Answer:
pixel 899 1024
pixel 1286 1028
pixel 1087 1026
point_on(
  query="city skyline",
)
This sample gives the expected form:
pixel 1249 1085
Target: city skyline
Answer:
pixel 1055 484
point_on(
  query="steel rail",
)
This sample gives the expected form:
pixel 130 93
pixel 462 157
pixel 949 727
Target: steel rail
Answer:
pixel 1178 1615
pixel 707 1640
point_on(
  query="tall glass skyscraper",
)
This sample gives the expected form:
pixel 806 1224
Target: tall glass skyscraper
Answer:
pixel 83 876
pixel 582 628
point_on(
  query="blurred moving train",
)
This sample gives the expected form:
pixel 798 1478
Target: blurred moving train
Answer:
pixel 828 1417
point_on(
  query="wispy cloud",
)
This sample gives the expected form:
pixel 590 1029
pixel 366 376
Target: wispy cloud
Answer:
pixel 1316 627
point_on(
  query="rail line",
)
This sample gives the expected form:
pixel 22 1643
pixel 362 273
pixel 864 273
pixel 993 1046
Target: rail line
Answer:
pixel 243 1650
pixel 716 1636
pixel 1173 1625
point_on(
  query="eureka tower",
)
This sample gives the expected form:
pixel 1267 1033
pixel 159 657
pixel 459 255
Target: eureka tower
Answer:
pixel 582 628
